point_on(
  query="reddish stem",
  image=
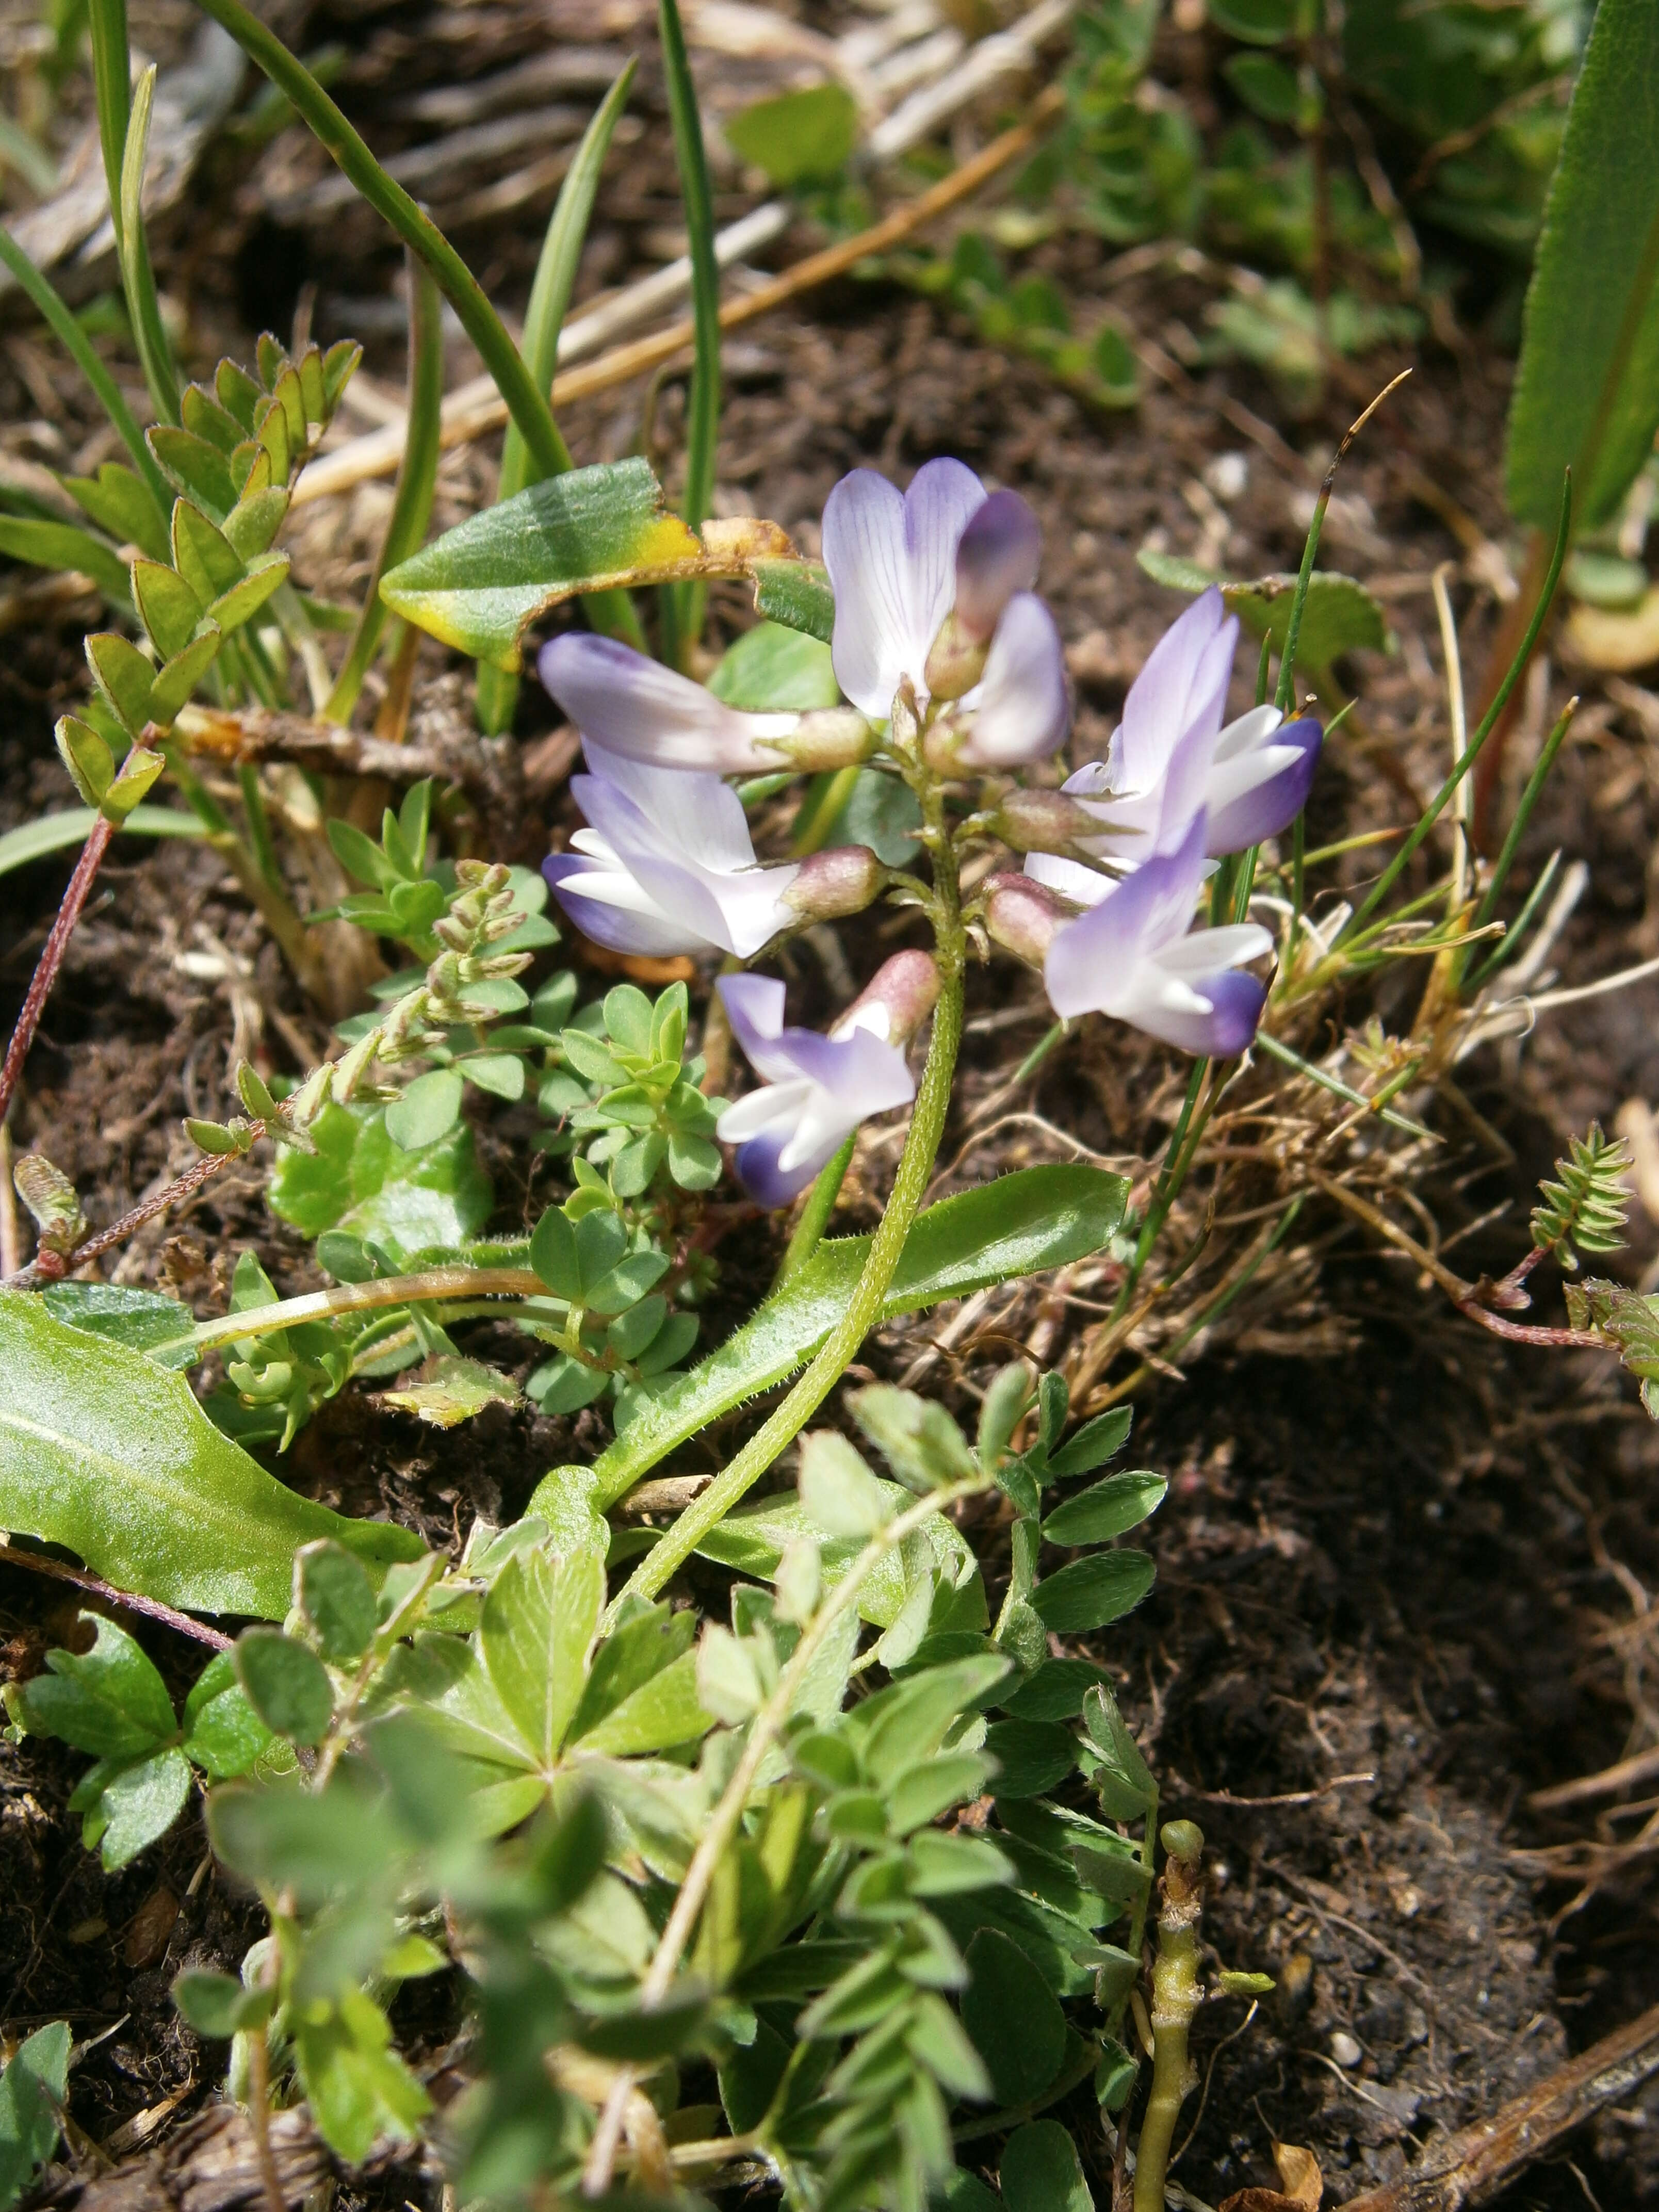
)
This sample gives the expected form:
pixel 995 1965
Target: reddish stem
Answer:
pixel 150 1607
pixel 52 958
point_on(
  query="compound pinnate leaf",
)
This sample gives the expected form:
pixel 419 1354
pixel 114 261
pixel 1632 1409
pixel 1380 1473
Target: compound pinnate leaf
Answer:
pixel 107 1452
pixel 1093 1445
pixel 223 1734
pixel 219 2005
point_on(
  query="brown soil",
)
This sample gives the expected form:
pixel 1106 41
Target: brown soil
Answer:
pixel 1404 1570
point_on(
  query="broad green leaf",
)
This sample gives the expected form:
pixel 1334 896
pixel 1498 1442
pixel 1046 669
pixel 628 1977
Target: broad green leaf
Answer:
pixel 753 1539
pixel 799 135
pixel 628 1659
pixel 1091 1592
pixel 359 1179
pixel 286 1683
pixel 1340 616
pixel 33 2090
pixel 56 833
pixel 661 1713
pixel 1107 1509
pixel 1038 1217
pixel 538 1621
pixel 1013 2018
pixel 109 1701
pixel 771 669
pixel 838 1492
pixel 1587 388
pixel 480 584
pixel 219 2005
pixel 1263 22
pixel 1039 2171
pixel 143 1320
pixel 136 1806
pixel 105 1452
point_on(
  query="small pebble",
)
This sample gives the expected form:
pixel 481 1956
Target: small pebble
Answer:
pixel 1346 2051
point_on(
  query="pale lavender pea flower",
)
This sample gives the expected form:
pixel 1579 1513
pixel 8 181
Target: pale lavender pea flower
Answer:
pixel 665 864
pixel 933 586
pixel 636 709
pixel 819 1089
pixel 1135 956
pixel 1171 757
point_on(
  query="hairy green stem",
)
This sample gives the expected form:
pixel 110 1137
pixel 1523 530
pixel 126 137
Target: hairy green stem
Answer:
pixel 841 1346
pixel 456 1282
pixel 916 1168
pixel 1175 1998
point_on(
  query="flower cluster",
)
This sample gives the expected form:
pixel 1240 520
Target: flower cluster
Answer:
pixel 952 669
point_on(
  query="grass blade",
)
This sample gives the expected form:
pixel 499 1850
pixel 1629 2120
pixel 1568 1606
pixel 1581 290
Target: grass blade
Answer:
pixel 526 404
pixel 549 298
pixel 417 478
pixel 1390 875
pixel 137 278
pixel 112 77
pixel 80 348
pixel 682 604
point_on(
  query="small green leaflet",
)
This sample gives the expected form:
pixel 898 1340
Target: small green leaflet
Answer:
pixel 32 2091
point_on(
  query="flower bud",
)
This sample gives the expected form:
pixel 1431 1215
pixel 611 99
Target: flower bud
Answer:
pixel 1023 916
pixel 956 661
pixel 902 994
pixel 1043 821
pixel 827 737
pixel 841 881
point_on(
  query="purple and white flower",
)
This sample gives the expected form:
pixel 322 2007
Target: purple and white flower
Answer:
pixel 933 590
pixel 666 864
pixel 636 709
pixel 1133 954
pixel 1171 757
pixel 819 1089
